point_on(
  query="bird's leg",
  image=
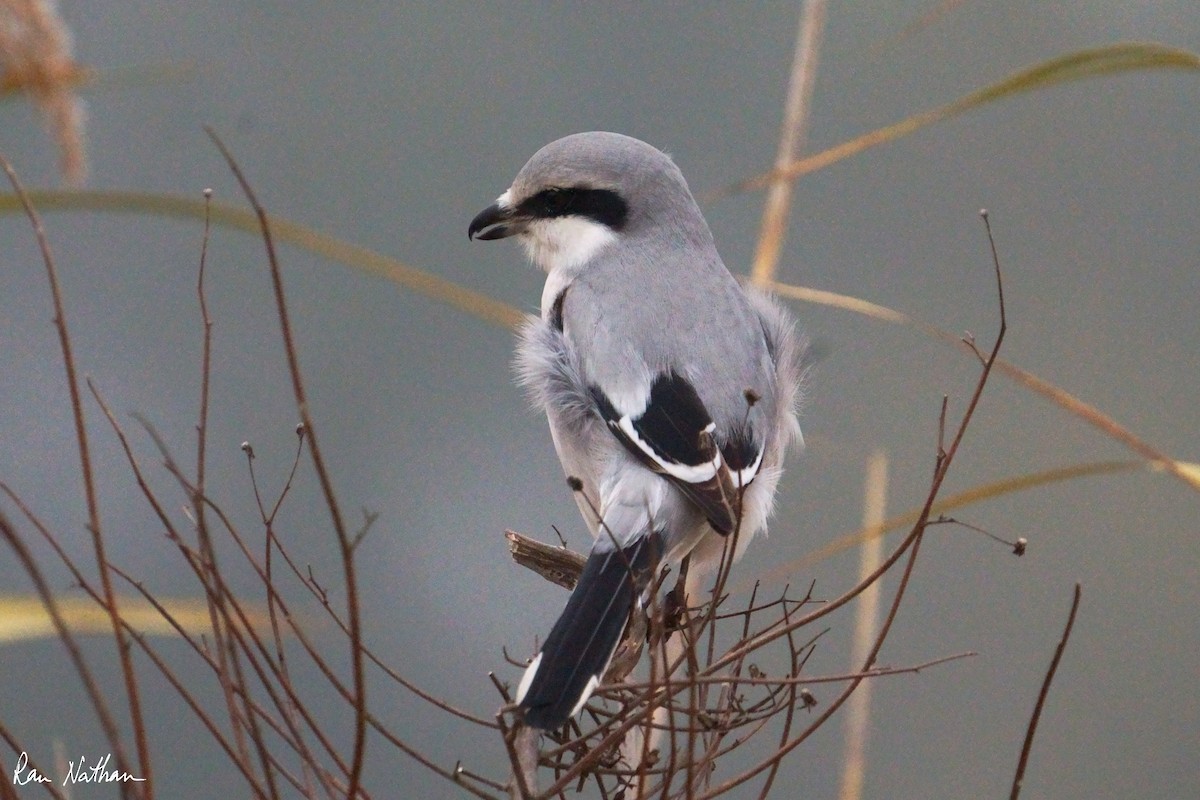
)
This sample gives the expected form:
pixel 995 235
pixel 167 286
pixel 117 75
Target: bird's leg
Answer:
pixel 675 601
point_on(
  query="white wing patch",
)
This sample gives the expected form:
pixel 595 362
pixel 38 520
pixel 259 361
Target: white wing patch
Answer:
pixel 684 472
pixel 527 678
pixel 742 477
pixel 587 693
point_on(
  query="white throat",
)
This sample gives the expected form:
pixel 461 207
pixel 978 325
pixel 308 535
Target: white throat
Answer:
pixel 564 244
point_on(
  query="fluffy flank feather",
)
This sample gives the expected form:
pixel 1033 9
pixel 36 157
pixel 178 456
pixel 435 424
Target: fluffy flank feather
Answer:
pixel 548 371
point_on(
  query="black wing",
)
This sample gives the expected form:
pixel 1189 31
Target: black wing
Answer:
pixel 675 437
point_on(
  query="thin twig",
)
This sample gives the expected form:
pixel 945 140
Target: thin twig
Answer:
pixel 273 603
pixel 912 544
pixel 319 594
pixel 194 559
pixel 218 595
pixel 241 763
pixel 9 791
pixel 208 554
pixel 797 680
pixel 90 685
pixel 1027 746
pixel 924 515
pixel 460 770
pixel 781 752
pixel 89 486
pixel 344 541
pixel 789 718
pixel 290 737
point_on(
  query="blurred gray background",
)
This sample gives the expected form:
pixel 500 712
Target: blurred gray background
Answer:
pixel 390 126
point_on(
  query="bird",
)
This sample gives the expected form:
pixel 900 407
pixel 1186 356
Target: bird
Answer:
pixel 671 390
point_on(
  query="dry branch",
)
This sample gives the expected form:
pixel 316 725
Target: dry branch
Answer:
pixel 558 565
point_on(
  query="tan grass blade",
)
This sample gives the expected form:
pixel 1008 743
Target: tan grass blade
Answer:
pixel 791 140
pixel 976 494
pixel 83 78
pixel 474 303
pixel 1090 63
pixel 24 618
pixel 926 20
pixel 866 622
pixel 74 76
pixel 1060 397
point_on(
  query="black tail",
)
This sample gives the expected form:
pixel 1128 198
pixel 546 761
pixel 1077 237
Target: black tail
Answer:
pixel 577 651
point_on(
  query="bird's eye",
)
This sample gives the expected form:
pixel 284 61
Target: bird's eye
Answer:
pixel 557 201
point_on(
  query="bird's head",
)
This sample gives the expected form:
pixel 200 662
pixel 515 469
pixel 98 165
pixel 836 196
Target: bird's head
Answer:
pixel 579 195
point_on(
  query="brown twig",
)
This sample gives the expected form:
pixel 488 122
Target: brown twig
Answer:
pixel 1031 729
pixel 242 763
pixel 267 575
pixel 912 544
pixel 788 719
pixel 782 751
pixel 195 561
pixel 287 733
pixel 521 787
pixel 207 553
pixel 214 584
pixel 7 791
pixel 89 487
pixel 344 541
pixel 319 593
pixel 924 515
pixel 797 680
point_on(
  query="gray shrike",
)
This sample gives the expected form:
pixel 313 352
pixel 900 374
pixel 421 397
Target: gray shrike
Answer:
pixel 670 389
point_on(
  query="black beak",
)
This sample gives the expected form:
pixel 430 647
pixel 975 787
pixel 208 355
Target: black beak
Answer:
pixel 495 222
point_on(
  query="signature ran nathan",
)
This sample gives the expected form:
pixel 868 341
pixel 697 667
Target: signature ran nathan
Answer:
pixel 77 772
